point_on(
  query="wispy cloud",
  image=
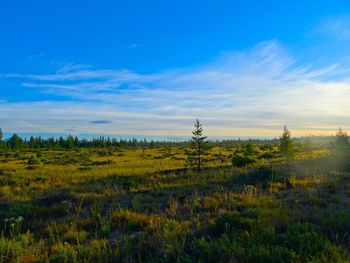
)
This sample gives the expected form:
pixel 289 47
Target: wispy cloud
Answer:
pixel 337 27
pixel 72 67
pixel 250 92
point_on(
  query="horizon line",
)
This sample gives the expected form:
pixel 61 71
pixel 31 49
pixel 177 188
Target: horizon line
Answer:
pixel 171 137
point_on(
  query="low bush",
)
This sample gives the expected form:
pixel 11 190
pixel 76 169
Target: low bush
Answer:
pixel 241 160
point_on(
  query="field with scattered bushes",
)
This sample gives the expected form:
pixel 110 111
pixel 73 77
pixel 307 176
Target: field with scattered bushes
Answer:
pixel 249 203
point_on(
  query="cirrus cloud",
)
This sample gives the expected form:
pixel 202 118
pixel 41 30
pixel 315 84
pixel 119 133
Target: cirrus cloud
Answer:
pixel 251 92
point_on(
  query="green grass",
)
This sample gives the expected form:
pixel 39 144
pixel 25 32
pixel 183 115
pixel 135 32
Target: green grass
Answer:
pixel 113 205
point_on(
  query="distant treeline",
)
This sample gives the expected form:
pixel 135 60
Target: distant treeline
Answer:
pixel 70 142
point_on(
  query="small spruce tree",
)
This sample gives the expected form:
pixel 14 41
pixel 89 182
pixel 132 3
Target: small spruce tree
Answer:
pixel 341 145
pixel 340 148
pixel 199 147
pixel 286 143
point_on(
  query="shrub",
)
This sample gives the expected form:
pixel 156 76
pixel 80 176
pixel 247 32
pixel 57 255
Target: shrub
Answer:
pixel 131 221
pixel 263 176
pixel 308 243
pixel 33 160
pixel 241 160
pixel 266 155
pixel 246 238
pixel 105 162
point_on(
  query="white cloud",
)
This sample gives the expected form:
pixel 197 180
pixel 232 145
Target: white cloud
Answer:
pixel 72 67
pixel 253 92
pixel 336 27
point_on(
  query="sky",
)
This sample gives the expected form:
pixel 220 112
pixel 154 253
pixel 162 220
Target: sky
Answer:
pixel 244 68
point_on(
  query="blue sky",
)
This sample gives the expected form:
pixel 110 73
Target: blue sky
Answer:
pixel 152 67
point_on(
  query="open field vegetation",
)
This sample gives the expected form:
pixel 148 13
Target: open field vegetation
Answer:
pixel 250 201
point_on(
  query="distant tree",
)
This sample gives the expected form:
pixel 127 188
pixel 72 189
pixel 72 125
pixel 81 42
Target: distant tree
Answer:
pixel 286 143
pixel 31 142
pixel 70 142
pixel 61 142
pixel 199 147
pixel 15 142
pixel 76 141
pixel 341 145
pixel 1 136
pixel 152 144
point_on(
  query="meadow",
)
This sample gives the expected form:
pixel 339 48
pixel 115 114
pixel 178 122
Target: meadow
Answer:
pixel 143 204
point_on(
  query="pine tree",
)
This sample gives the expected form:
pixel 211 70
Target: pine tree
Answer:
pixel 199 147
pixel 286 143
pixel 70 142
pixel 1 136
pixel 341 145
pixel 15 142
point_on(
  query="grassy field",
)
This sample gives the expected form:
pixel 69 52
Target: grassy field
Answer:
pixel 143 205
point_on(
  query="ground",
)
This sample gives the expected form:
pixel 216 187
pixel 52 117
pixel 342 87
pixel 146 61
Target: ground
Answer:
pixel 137 205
